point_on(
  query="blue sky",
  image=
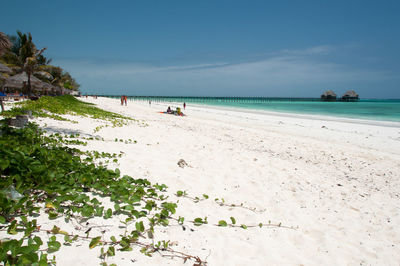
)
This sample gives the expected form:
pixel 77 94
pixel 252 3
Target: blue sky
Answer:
pixel 218 48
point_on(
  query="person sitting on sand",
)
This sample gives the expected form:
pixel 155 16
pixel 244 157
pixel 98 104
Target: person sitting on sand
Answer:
pixel 169 110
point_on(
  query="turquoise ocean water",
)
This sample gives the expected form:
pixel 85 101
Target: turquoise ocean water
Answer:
pixel 370 109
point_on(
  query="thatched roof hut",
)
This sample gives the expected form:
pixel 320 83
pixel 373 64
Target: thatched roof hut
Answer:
pixel 350 95
pixel 66 91
pixel 16 83
pixel 328 95
pixel 5 69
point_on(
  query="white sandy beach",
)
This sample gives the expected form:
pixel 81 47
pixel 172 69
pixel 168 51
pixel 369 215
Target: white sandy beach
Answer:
pixel 336 182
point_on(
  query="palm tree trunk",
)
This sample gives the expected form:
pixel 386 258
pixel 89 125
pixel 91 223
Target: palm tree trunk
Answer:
pixel 29 85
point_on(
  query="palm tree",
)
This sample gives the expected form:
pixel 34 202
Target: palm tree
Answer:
pixel 25 56
pixel 5 43
pixel 30 66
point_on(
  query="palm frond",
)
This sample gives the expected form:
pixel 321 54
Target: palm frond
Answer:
pixel 5 43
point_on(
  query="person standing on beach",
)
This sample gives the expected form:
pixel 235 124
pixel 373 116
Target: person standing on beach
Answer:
pixel 184 106
pixel 149 103
pixel 126 100
pixel 122 100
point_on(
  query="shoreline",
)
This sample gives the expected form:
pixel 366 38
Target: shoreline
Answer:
pixel 372 122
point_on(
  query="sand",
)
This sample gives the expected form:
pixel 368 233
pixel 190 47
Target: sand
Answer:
pixel 333 184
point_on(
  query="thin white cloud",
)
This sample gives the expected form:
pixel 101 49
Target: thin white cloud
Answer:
pixel 290 73
pixel 316 50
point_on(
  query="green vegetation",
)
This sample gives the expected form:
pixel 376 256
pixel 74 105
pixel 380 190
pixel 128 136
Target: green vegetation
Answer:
pixel 21 53
pixel 54 107
pixel 45 172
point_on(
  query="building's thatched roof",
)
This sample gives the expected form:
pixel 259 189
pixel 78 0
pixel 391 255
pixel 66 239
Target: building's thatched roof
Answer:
pixel 350 94
pixel 48 86
pixel 17 81
pixel 66 91
pixel 328 93
pixel 44 74
pixel 5 69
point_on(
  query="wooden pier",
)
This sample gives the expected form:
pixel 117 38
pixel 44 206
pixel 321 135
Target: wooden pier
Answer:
pixel 213 100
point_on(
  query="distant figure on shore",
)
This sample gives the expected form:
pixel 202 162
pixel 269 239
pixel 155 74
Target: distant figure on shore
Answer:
pixel 149 103
pixel 184 106
pixel 122 100
pixel 126 100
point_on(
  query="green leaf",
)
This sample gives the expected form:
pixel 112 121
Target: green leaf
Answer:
pixel 67 240
pixel 4 164
pixel 25 249
pixel 205 196
pixel 108 214
pixel 87 211
pixel 128 208
pixel 139 226
pixel 243 226
pixel 111 251
pixel 95 241
pixel 53 245
pixel 38 240
pixel 222 223
pixel 198 221
pixel 53 215
pixel 233 220
pixel 43 260
pixel 55 229
pixel 2 220
pixel 12 228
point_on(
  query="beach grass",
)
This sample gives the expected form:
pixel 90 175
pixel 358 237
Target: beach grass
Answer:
pixel 55 107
